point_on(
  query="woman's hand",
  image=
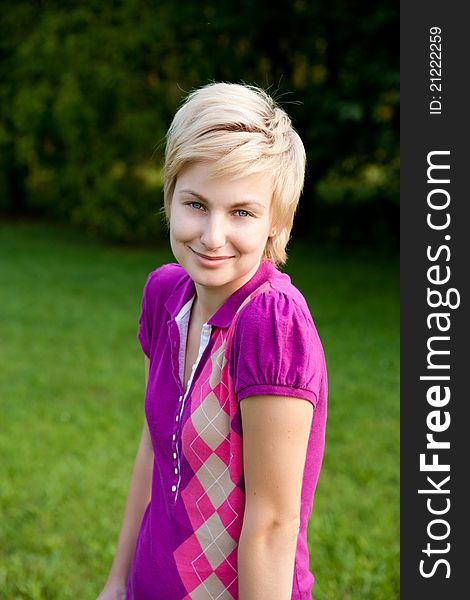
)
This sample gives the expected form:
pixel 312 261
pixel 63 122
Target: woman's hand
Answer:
pixel 113 592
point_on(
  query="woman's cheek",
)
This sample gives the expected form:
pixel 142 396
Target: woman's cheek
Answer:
pixel 253 236
pixel 182 227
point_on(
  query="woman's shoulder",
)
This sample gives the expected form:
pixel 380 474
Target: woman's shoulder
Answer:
pixel 276 348
pixel 279 302
pixel 163 280
pixel 280 316
pixel 166 274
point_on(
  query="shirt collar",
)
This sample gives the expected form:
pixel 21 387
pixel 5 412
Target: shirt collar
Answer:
pixel 186 289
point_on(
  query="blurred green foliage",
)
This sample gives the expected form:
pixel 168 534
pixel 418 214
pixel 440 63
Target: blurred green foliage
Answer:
pixel 88 90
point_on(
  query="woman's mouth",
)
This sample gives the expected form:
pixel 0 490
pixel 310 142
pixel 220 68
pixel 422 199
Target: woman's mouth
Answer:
pixel 210 260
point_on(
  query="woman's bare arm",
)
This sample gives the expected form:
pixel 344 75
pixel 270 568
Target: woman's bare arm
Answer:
pixel 275 437
pixel 137 501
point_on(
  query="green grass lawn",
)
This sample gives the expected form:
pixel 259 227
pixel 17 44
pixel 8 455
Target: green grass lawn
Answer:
pixel 71 401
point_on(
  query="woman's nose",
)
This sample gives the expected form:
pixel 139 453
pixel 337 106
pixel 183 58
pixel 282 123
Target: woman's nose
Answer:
pixel 213 234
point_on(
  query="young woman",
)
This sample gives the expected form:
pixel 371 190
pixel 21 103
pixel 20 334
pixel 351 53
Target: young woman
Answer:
pixel 236 388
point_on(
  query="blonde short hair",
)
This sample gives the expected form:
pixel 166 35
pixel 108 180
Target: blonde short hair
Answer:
pixel 244 131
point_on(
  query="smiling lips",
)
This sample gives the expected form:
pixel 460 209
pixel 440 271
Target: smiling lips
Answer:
pixel 213 258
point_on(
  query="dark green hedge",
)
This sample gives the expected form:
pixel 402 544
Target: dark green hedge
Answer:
pixel 89 88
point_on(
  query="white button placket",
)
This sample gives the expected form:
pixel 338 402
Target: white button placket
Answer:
pixel 176 462
pixel 182 322
pixel 203 342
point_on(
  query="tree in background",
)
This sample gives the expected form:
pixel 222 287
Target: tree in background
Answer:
pixel 89 88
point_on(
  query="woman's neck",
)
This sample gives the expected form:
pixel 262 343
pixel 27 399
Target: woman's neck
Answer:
pixel 209 300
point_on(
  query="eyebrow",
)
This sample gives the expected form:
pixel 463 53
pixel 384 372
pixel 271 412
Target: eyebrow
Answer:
pixel 248 202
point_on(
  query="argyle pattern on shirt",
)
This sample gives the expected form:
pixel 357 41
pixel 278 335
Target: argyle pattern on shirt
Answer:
pixel 214 498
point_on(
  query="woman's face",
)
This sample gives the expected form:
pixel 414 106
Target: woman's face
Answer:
pixel 219 227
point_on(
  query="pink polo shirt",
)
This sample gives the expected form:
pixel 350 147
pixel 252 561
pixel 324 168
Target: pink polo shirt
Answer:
pixel 262 340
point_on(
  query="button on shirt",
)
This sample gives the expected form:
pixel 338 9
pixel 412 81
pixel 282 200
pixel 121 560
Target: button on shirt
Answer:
pixel 262 340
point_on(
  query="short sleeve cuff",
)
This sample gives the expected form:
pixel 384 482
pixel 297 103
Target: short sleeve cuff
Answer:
pixel 277 390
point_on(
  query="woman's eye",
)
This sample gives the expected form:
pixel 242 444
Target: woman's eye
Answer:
pixel 243 213
pixel 196 205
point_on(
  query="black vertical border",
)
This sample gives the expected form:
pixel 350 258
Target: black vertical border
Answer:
pixel 421 133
